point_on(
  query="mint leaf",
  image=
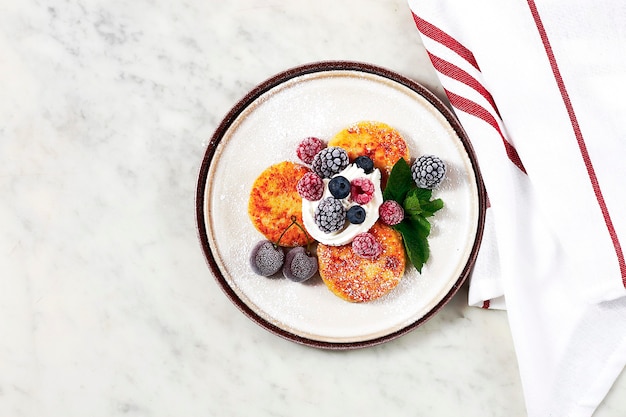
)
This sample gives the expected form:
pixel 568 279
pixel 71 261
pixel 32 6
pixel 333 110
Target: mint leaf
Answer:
pixel 416 246
pixel 423 194
pixel 429 208
pixel 412 205
pixel 420 225
pixel 417 204
pixel 399 182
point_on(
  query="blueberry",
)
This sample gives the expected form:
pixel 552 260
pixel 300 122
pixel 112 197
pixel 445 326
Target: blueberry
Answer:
pixel 356 215
pixel 365 163
pixel 339 187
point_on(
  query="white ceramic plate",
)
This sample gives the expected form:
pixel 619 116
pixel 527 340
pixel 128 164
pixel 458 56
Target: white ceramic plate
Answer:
pixel 264 128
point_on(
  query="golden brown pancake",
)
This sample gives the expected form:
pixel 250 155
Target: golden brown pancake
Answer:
pixel 357 279
pixel 379 141
pixel 274 200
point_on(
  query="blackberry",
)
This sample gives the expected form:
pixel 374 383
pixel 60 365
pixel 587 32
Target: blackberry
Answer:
pixel 339 187
pixel 330 161
pixel 330 215
pixel 428 171
pixel 356 215
pixel 365 163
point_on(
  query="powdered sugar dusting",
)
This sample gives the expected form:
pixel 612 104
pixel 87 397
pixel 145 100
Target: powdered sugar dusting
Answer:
pixel 268 132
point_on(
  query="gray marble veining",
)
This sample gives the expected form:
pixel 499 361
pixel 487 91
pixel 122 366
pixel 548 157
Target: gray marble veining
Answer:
pixel 107 307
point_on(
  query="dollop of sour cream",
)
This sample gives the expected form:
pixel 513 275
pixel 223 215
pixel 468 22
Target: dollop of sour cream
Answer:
pixel 349 231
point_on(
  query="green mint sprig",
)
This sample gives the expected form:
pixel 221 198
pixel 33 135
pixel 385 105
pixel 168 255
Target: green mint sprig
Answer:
pixel 418 207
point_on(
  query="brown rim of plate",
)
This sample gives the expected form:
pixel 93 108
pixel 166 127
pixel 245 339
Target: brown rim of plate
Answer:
pixel 254 94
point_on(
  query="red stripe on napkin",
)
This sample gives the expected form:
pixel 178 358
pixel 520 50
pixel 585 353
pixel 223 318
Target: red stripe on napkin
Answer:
pixel 455 72
pixel 459 74
pixel 433 32
pixel 579 137
pixel 475 109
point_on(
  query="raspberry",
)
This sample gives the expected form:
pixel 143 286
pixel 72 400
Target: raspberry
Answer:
pixel 308 148
pixel 330 215
pixel 366 246
pixel 330 161
pixel 391 212
pixel 428 171
pixel 361 190
pixel 310 186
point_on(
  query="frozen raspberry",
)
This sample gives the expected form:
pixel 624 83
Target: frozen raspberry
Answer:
pixel 330 161
pixel 361 190
pixel 428 171
pixel 391 212
pixel 366 246
pixel 310 186
pixel 308 148
pixel 330 215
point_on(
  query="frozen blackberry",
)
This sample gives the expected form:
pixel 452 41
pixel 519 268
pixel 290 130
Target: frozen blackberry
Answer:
pixel 330 161
pixel 365 163
pixel 428 171
pixel 330 215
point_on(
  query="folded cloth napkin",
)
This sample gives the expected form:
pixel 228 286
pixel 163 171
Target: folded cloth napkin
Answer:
pixel 540 87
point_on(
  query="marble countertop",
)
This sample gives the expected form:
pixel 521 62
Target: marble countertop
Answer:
pixel 107 306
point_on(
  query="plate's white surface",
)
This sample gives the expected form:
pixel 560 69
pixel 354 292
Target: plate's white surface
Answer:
pixel 321 104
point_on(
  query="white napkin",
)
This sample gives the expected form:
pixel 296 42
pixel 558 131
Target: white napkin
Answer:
pixel 540 88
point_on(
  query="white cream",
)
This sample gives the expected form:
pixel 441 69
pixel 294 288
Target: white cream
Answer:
pixel 349 231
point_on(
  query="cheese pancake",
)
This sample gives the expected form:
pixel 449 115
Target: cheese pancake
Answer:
pixel 357 279
pixel 379 141
pixel 274 200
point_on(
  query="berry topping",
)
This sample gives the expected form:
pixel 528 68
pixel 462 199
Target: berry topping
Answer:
pixel 428 171
pixel 365 163
pixel 356 215
pixel 308 148
pixel 266 258
pixel 366 246
pixel 391 212
pixel 300 265
pixel 330 216
pixel 339 187
pixel 310 186
pixel 330 161
pixel 362 190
